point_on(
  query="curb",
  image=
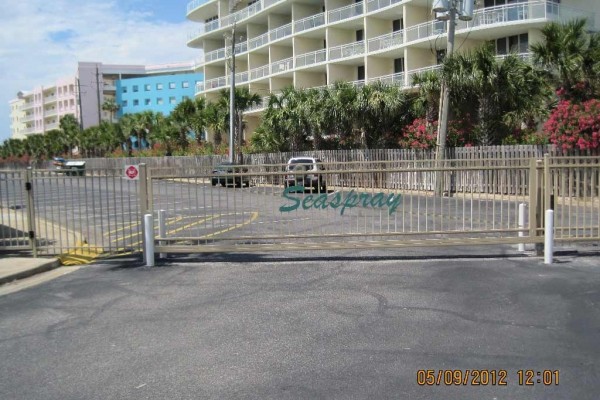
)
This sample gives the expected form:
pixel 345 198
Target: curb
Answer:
pixel 47 266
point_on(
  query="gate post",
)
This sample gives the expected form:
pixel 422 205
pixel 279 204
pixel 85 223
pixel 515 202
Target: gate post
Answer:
pixel 143 196
pixel 30 211
pixel 535 203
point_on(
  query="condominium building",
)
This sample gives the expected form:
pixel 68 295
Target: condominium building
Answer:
pixel 82 95
pixel 312 43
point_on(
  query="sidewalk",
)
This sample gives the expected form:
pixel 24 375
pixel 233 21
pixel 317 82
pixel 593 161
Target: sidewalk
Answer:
pixel 14 268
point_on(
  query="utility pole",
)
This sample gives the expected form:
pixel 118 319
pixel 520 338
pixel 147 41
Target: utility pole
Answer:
pixel 98 94
pixel 447 9
pixel 232 97
pixel 79 103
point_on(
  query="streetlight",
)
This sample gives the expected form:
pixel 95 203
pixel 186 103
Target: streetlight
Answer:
pixel 447 10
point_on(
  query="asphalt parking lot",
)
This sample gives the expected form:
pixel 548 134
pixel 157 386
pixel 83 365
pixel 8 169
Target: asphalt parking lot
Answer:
pixel 337 326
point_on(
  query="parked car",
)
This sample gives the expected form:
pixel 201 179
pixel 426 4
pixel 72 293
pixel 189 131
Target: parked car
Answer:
pixel 305 171
pixel 69 167
pixel 228 173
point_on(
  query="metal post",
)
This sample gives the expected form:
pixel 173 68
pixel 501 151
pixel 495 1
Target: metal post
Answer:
pixel 149 239
pixel 445 103
pixel 162 230
pixel 522 213
pixel 232 97
pixel 143 196
pixel 549 237
pixel 31 212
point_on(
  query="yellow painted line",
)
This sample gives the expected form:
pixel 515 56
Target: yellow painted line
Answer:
pixel 130 226
pixel 252 218
pixel 181 228
pixel 83 254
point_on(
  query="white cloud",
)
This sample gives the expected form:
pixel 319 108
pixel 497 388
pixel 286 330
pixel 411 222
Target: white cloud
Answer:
pixel 32 52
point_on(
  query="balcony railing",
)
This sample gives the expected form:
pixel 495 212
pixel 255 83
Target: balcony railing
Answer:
pixel 281 32
pixel 314 57
pixel 347 50
pixel 386 41
pixel 546 10
pixel 374 5
pixel 192 5
pixel 215 83
pixel 260 72
pixel 214 55
pixel 309 23
pixel 393 79
pixel 425 30
pixel 241 77
pixel 51 112
pixel 242 14
pixel 282 66
pixel 339 14
pixel 258 41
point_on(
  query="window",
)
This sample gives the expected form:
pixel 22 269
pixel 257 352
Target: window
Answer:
pixel 172 100
pixel 360 72
pixel 159 101
pixel 172 85
pixel 360 34
pixel 397 25
pixel 124 103
pixel 124 89
pixel 147 87
pixel 185 84
pixel 398 65
pixel 513 44
pixel 159 86
pixel 136 102
pixel 147 102
pixel 185 97
pixel 136 88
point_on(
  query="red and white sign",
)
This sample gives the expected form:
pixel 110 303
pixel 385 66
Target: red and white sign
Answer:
pixel 132 172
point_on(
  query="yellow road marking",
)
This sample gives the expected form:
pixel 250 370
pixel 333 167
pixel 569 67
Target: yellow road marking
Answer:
pixel 172 221
pixel 252 218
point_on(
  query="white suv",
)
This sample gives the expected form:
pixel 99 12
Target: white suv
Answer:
pixel 305 171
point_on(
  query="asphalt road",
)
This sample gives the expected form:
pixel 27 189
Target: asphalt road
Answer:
pixel 348 325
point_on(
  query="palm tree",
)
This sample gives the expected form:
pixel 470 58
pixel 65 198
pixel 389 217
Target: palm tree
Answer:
pixel 571 57
pixel 70 127
pixel 111 106
pixel 492 88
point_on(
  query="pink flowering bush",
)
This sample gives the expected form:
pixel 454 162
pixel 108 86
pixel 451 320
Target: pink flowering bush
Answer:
pixel 420 135
pixel 575 126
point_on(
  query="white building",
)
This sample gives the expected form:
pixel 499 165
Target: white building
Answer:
pixel 312 43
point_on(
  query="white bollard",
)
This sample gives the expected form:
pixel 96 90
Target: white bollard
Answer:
pixel 522 213
pixel 549 237
pixel 149 236
pixel 162 229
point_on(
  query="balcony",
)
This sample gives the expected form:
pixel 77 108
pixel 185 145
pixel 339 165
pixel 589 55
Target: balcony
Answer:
pixel 347 50
pixel 281 32
pixel 192 5
pixel 242 14
pixel 424 31
pixel 50 99
pixel 282 66
pixel 314 57
pixel 50 113
pixel 54 125
pixel 387 41
pixel 309 23
pixel 259 73
pixel 340 14
pixel 375 5
pixel 258 41
pixel 536 10
pixel 393 79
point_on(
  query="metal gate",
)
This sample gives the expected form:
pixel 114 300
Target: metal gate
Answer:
pixel 344 205
pixel 374 205
pixel 84 216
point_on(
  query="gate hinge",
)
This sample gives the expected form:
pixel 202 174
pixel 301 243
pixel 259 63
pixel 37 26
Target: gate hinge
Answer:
pixel 27 186
pixel 31 235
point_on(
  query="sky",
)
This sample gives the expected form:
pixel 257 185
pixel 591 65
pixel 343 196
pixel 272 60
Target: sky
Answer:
pixel 42 41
